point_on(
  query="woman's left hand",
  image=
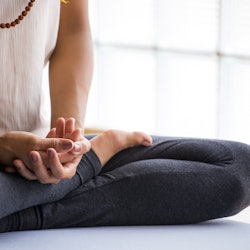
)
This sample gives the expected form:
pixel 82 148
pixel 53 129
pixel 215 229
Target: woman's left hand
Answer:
pixel 66 129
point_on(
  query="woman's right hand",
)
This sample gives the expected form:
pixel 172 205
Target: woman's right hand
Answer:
pixel 20 145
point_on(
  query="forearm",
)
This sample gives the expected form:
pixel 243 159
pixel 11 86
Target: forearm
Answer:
pixel 8 143
pixel 2 151
pixel 70 75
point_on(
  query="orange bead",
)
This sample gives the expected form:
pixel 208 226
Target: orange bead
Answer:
pixel 20 17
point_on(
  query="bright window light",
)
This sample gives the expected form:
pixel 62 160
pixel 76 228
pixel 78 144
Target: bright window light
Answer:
pixel 172 67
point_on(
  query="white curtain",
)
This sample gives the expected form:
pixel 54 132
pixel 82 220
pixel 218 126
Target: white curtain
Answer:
pixel 172 67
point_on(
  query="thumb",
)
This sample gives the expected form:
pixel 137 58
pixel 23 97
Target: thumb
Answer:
pixel 59 144
pixel 81 147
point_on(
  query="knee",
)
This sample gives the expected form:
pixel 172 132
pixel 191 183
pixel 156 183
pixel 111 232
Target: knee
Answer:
pixel 232 196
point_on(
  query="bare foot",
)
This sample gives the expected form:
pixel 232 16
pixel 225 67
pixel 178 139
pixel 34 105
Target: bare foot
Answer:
pixel 111 142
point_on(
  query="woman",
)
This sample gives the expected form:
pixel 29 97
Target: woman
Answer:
pixel 167 181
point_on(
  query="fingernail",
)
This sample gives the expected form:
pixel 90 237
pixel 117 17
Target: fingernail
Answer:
pixel 50 153
pixel 66 145
pixel 146 144
pixel 17 166
pixel 77 147
pixel 34 157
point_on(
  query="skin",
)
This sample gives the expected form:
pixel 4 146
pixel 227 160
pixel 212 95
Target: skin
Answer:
pixel 19 145
pixel 52 165
pixel 71 81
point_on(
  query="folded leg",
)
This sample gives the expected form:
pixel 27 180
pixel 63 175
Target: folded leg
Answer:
pixel 176 181
pixel 17 193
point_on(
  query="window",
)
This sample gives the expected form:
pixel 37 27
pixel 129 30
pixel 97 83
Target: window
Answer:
pixel 172 67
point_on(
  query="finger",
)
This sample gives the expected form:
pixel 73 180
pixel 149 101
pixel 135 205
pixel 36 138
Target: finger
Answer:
pixel 24 171
pixel 44 158
pixel 70 168
pixel 77 135
pixel 57 169
pixel 10 169
pixel 43 174
pixel 69 127
pixel 65 157
pixel 60 127
pixel 81 147
pixel 59 144
pixel 52 133
pixel 81 144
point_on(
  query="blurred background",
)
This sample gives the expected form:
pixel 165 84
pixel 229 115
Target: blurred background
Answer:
pixel 172 67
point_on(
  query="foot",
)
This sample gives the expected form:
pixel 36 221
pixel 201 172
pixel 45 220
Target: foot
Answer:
pixel 111 142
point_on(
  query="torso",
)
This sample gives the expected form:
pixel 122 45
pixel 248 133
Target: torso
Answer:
pixel 25 51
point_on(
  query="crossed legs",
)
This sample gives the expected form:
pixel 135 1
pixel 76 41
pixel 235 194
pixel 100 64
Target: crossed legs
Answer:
pixel 175 181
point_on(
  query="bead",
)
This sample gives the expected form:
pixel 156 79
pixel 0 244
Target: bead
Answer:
pixel 20 17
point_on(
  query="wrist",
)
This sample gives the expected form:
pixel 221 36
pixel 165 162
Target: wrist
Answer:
pixel 2 141
pixel 3 145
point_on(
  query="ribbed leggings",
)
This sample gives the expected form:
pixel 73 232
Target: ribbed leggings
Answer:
pixel 175 181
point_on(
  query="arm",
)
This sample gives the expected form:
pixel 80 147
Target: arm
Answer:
pixel 71 64
pixel 70 75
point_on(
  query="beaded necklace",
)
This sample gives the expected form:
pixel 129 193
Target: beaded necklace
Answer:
pixel 22 15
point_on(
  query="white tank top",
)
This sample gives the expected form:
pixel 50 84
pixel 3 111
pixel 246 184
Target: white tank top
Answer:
pixel 24 53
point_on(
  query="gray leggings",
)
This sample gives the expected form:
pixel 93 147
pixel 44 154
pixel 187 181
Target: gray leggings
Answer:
pixel 175 181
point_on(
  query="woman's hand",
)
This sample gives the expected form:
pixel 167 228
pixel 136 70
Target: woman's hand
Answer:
pixel 66 129
pixel 53 165
pixel 15 145
pixel 19 145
